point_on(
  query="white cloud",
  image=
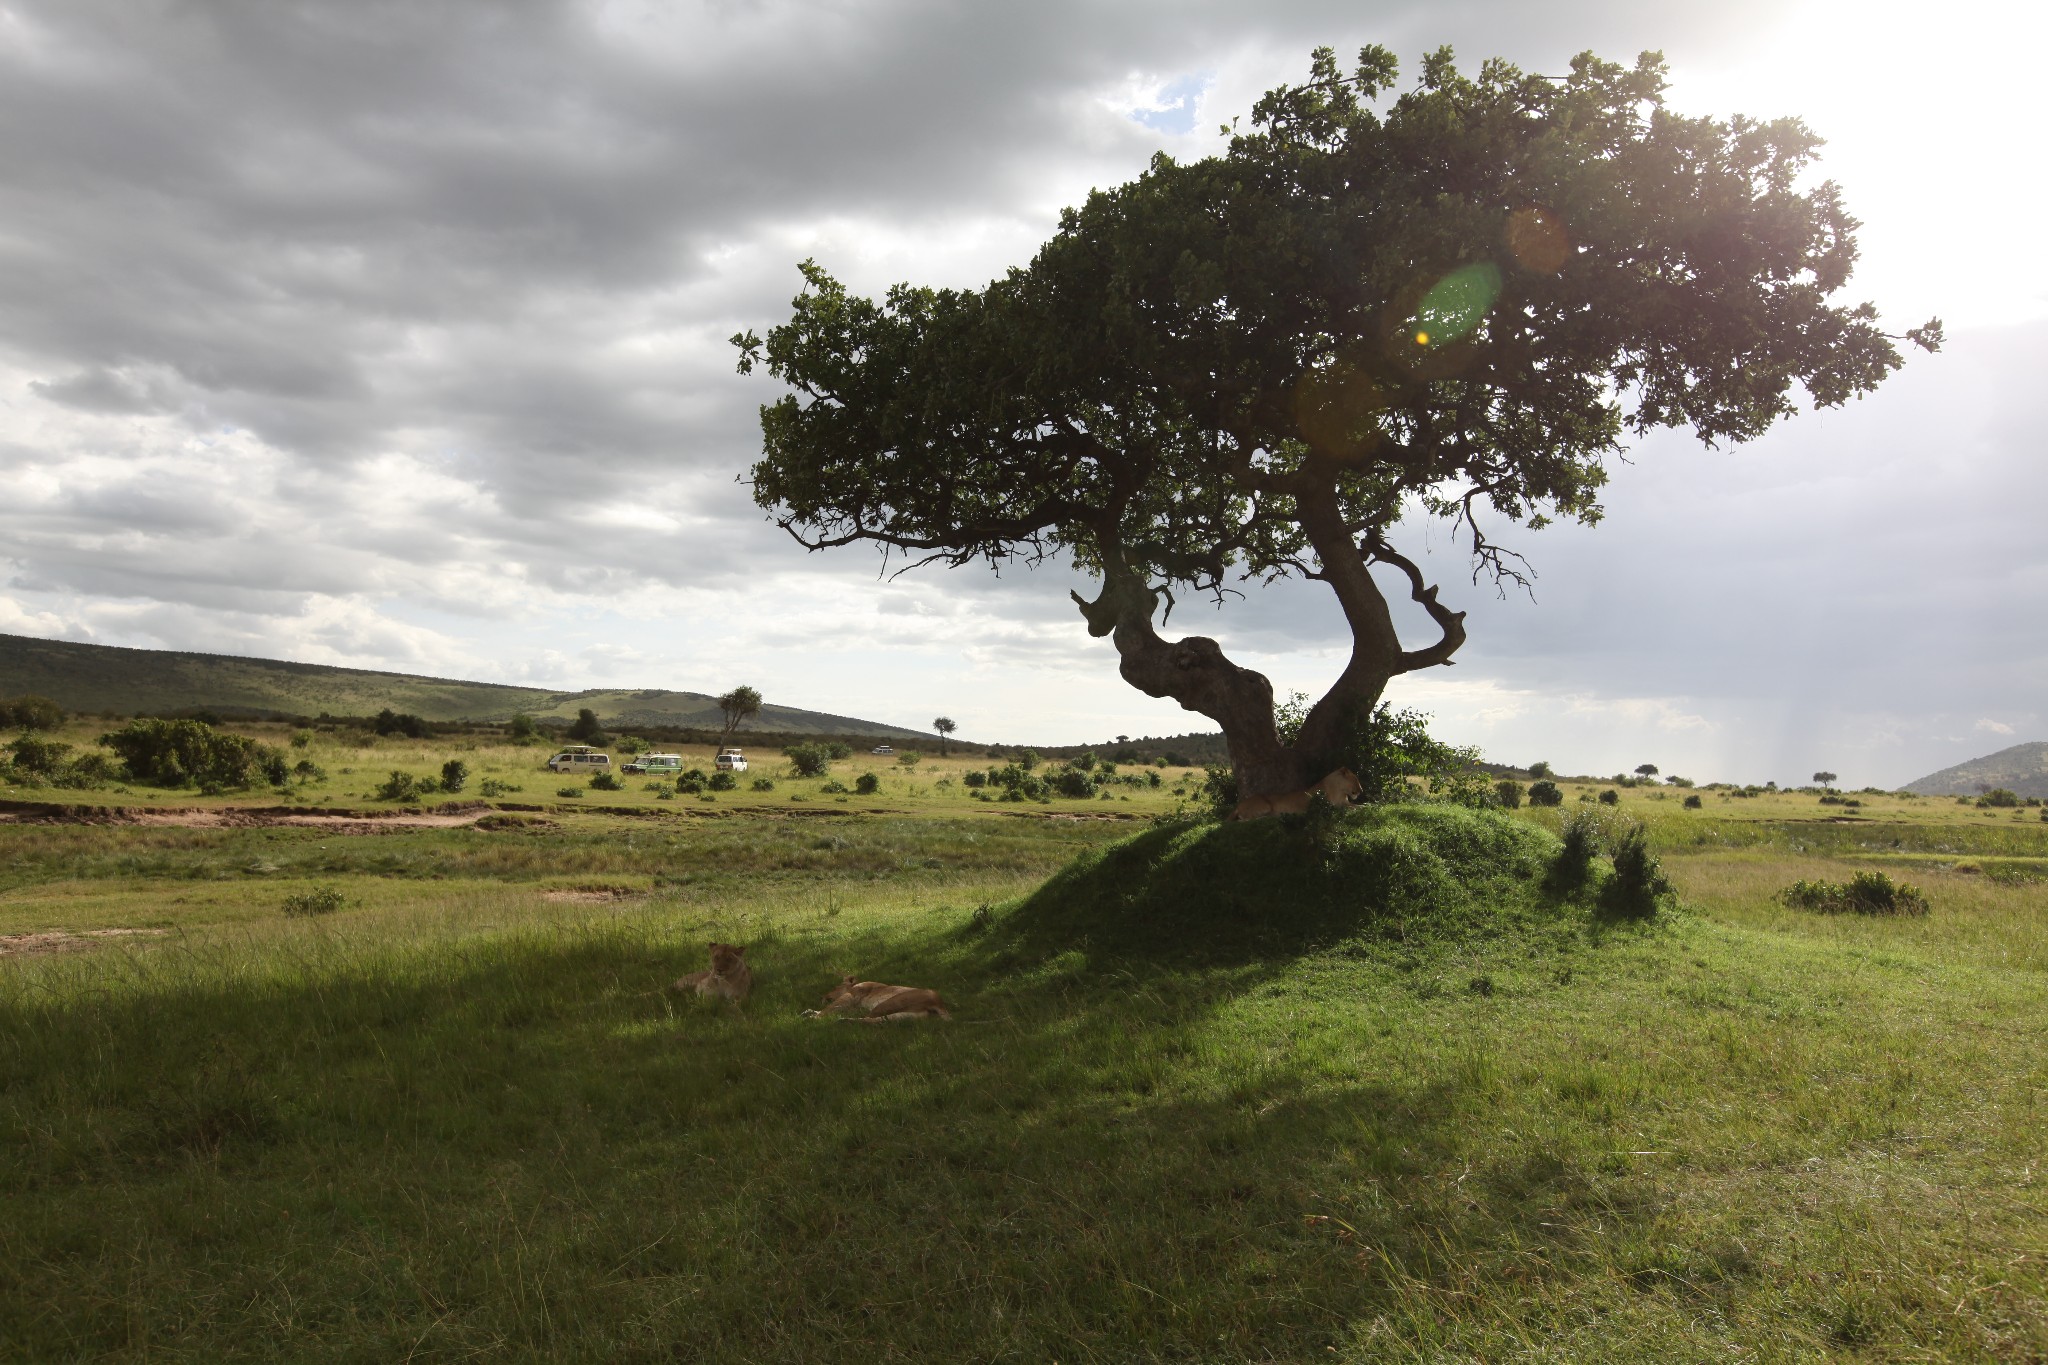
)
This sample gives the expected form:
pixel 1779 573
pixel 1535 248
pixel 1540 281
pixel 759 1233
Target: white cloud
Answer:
pixel 1994 727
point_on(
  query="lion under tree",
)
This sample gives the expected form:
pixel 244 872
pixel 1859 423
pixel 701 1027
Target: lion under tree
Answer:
pixel 1257 364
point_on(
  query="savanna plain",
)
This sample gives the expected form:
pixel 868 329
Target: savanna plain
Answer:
pixel 1380 1087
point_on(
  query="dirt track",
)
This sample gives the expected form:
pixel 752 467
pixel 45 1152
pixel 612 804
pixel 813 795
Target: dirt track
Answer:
pixel 63 941
pixel 243 817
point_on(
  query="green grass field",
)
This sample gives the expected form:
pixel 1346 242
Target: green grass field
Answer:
pixel 1177 1117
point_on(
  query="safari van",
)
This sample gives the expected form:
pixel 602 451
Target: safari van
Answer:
pixel 731 761
pixel 580 758
pixel 663 765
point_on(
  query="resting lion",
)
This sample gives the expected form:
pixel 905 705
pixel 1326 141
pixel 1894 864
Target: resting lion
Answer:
pixel 1340 788
pixel 729 976
pixel 880 1004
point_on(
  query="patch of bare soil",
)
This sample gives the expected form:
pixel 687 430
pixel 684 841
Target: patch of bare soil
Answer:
pixel 1069 815
pixel 449 816
pixel 64 941
pixel 597 895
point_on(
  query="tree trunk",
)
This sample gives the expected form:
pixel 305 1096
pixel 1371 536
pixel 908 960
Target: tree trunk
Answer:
pixel 1195 673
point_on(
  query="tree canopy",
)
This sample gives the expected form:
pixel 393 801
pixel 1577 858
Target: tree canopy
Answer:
pixel 740 705
pixel 1457 303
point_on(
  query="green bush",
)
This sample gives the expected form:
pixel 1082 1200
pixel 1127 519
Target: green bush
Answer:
pixel 399 787
pixel 1610 797
pixel 522 727
pixel 1639 881
pixel 41 758
pixel 1693 802
pixel 1219 789
pixel 491 787
pixel 837 751
pixel 907 759
pixel 867 784
pixel 723 782
pixel 691 781
pixel 606 782
pixel 173 753
pixel 1507 794
pixel 31 713
pixel 454 775
pixel 308 772
pixel 1579 842
pixel 809 760
pixel 1866 893
pixel 764 784
pixel 975 777
pixel 389 722
pixel 318 900
pixel 834 787
pixel 1545 793
pixel 572 793
pixel 1084 761
pixel 585 729
pixel 301 738
pixel 1999 797
pixel 1072 782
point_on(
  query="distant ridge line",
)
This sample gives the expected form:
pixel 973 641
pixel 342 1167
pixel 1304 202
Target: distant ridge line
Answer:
pixel 127 680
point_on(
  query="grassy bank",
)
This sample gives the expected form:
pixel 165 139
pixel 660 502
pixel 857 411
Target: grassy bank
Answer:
pixel 1452 1115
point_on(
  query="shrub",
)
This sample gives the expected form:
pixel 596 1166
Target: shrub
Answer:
pixel 585 729
pixel 1610 797
pixel 1083 761
pixel 275 767
pixel 1072 782
pixel 399 787
pixel 1152 779
pixel 1579 838
pixel 690 781
pixel 1692 802
pixel 976 778
pixel 867 784
pixel 764 784
pixel 492 787
pixel 301 738
pixel 1507 794
pixel 43 758
pixel 1639 880
pixel 318 900
pixel 307 771
pixel 1028 759
pixel 389 722
pixel 809 760
pixel 454 775
pixel 172 753
pixel 606 782
pixel 723 782
pixel 837 751
pixel 1545 793
pixel 834 787
pixel 1219 789
pixel 1866 893
pixel 629 744
pixel 31 713
pixel 522 727
pixel 572 793
pixel 907 759
pixel 2000 797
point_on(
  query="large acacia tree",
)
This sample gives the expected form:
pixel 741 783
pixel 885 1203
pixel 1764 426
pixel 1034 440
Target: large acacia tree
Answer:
pixel 1370 311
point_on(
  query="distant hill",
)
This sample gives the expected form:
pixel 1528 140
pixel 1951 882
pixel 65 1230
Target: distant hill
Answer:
pixel 108 678
pixel 2022 769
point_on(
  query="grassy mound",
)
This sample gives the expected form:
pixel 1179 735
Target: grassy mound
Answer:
pixel 1401 874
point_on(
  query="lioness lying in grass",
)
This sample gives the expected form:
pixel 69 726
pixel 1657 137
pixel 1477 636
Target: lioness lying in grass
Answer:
pixel 730 976
pixel 1340 788
pixel 880 1004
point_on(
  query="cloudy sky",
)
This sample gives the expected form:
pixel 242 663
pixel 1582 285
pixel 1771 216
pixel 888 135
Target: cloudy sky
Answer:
pixel 392 333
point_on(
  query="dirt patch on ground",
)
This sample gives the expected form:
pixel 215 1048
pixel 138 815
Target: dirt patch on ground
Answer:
pixel 1068 815
pixel 595 895
pixel 449 816
pixel 64 941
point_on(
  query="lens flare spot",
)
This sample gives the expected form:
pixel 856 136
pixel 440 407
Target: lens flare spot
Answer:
pixel 1537 239
pixel 1456 304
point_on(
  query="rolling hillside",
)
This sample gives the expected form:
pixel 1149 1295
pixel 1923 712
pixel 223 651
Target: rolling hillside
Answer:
pixel 107 678
pixel 2022 769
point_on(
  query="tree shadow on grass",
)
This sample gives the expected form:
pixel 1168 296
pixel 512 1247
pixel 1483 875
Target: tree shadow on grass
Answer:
pixel 511 1146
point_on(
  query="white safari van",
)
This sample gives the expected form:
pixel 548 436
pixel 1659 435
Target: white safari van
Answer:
pixel 731 761
pixel 580 758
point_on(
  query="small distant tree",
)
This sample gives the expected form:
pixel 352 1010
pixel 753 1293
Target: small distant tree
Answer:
pixel 454 775
pixel 740 705
pixel 945 726
pixel 1646 771
pixel 1826 780
pixel 522 727
pixel 1539 770
pixel 586 730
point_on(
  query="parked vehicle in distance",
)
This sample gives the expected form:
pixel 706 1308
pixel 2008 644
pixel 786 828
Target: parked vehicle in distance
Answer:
pixel 881 749
pixel 667 764
pixel 580 758
pixel 731 761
